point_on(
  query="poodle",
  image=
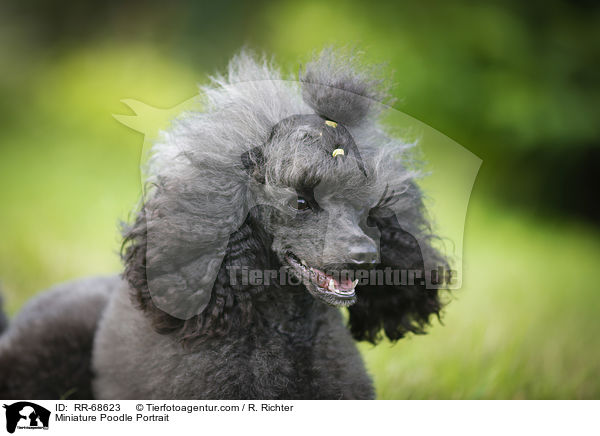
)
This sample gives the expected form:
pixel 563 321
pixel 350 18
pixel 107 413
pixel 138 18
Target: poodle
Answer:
pixel 276 229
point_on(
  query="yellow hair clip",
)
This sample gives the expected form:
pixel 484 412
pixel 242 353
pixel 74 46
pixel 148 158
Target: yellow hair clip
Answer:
pixel 331 123
pixel 338 152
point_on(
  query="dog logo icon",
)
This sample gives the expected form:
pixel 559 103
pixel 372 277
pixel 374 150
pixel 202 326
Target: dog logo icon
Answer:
pixel 26 415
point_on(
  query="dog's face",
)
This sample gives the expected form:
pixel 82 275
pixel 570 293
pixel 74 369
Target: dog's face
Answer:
pixel 323 201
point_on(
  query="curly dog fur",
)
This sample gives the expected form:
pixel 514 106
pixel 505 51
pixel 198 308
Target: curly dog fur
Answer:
pixel 249 183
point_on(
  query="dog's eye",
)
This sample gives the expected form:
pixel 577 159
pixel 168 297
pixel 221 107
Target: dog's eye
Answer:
pixel 299 203
pixel 302 203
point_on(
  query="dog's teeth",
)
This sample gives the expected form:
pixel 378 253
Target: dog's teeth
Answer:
pixel 304 263
pixel 354 283
pixel 332 284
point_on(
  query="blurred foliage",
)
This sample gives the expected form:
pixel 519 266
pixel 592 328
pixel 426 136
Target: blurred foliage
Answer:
pixel 515 82
pixel 511 80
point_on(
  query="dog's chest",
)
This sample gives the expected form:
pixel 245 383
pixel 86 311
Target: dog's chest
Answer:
pixel 288 364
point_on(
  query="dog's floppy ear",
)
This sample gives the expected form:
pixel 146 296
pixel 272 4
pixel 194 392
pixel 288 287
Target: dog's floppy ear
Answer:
pixel 174 250
pixel 336 87
pixel 405 305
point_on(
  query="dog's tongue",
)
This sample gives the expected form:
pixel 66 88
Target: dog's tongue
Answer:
pixel 324 280
pixel 345 285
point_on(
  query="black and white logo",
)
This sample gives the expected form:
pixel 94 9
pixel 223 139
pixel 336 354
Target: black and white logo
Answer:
pixel 26 415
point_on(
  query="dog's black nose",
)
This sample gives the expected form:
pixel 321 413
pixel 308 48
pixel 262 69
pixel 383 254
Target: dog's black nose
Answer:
pixel 364 253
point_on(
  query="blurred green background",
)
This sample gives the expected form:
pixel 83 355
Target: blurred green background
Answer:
pixel 515 82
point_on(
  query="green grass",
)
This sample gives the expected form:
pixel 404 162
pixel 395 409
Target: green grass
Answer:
pixel 523 326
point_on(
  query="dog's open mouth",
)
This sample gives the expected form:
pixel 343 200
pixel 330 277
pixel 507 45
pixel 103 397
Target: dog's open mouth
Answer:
pixel 334 291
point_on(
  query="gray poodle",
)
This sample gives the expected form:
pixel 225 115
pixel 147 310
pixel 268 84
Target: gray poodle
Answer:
pixel 277 204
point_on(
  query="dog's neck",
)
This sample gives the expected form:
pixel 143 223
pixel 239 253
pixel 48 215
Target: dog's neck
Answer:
pixel 289 309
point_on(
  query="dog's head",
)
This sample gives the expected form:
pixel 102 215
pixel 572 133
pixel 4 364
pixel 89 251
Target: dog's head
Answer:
pixel 266 178
pixel 311 174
